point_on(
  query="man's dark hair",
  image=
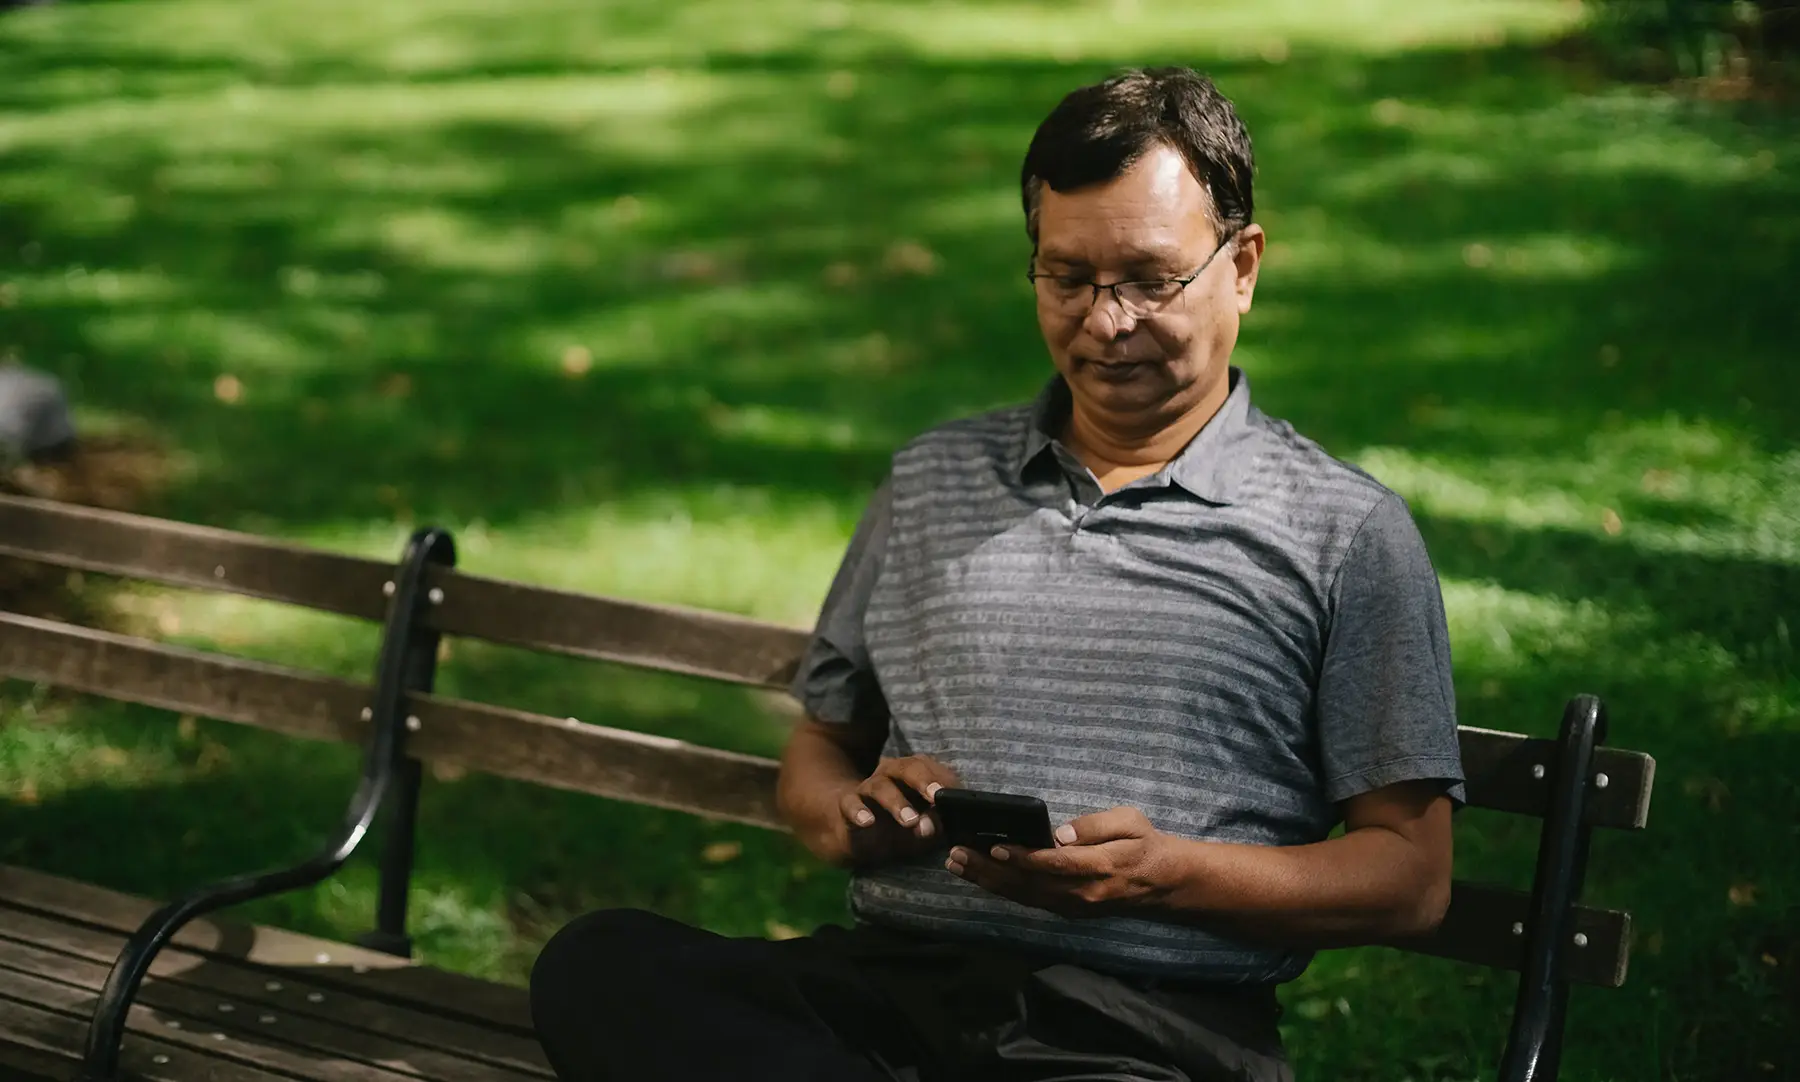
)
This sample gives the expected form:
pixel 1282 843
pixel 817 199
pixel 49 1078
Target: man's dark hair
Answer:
pixel 1098 132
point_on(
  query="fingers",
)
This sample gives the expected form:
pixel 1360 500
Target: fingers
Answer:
pixel 1105 826
pixel 883 792
pixel 924 775
pixel 856 813
pixel 1005 878
pixel 898 787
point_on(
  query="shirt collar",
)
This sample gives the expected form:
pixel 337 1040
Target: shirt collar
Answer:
pixel 1210 466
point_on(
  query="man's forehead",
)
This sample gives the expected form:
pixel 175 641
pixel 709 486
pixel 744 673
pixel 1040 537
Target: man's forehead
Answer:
pixel 1155 209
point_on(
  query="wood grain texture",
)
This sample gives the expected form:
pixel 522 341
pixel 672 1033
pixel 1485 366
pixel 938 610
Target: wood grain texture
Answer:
pixel 199 557
pixel 181 1005
pixel 321 961
pixel 667 638
pixel 288 993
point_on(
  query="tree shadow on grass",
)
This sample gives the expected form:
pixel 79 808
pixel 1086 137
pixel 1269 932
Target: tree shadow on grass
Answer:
pixel 742 265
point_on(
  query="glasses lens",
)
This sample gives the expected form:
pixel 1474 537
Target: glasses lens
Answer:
pixel 1063 294
pixel 1146 298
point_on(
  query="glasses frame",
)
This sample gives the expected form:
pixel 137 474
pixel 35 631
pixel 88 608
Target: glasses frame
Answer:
pixel 1033 274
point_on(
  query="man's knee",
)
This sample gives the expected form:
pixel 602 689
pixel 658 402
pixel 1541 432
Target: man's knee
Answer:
pixel 597 949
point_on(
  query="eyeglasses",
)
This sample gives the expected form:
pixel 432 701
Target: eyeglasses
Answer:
pixel 1071 295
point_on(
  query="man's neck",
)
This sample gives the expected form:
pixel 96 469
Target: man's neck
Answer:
pixel 1118 454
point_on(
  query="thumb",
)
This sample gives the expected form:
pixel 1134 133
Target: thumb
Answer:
pixel 1105 826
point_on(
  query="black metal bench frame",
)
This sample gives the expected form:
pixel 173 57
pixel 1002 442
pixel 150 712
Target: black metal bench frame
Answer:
pixel 1547 933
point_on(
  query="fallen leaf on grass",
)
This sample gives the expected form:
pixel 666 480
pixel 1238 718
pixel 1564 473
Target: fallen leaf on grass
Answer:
pixel 577 361
pixel 910 257
pixel 1742 894
pixel 228 389
pixel 841 84
pixel 1611 523
pixel 778 930
pixel 1658 482
pixel 720 852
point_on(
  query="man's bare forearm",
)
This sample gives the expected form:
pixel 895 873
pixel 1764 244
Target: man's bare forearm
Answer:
pixel 1367 886
pixel 817 767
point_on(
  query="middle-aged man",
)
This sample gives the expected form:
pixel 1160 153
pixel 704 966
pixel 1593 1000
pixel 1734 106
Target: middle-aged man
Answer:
pixel 1200 639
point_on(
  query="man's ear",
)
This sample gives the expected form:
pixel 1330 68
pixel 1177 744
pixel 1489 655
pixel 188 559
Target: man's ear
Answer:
pixel 1247 258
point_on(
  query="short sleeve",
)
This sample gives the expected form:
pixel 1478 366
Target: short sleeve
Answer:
pixel 836 679
pixel 1386 705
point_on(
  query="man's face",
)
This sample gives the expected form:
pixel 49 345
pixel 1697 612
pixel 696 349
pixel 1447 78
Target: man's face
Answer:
pixel 1141 371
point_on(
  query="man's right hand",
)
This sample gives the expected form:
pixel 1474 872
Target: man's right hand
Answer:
pixel 889 817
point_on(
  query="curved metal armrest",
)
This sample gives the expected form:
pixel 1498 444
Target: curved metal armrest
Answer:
pixel 395 677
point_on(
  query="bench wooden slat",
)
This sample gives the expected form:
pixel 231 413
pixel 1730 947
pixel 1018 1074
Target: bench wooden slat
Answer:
pixel 208 1011
pixel 616 763
pixel 668 638
pixel 187 681
pixel 284 992
pixel 332 965
pixel 1498 768
pixel 244 1043
pixel 557 752
pixel 180 554
pixel 1478 926
pixel 37 1043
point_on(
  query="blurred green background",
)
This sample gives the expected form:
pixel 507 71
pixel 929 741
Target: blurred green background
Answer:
pixel 638 297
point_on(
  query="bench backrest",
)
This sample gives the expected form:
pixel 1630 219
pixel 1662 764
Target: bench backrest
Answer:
pixel 1506 772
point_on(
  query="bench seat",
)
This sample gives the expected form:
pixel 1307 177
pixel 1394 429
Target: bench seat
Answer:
pixel 233 1002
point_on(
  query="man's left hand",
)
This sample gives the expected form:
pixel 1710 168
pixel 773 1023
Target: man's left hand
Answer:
pixel 1103 864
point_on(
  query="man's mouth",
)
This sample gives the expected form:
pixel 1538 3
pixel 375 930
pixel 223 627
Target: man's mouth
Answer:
pixel 1116 370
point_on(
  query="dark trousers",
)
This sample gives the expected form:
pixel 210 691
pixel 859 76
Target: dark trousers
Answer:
pixel 628 995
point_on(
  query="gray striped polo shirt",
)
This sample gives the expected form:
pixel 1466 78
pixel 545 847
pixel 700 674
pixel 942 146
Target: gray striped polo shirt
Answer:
pixel 1232 645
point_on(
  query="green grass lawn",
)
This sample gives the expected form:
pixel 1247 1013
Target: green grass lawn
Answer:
pixel 638 297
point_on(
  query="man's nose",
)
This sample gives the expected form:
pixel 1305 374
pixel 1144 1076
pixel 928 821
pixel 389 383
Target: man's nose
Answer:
pixel 1107 320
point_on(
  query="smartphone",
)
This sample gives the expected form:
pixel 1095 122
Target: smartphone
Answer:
pixel 982 820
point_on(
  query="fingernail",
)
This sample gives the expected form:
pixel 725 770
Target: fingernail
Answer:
pixel 999 853
pixel 959 855
pixel 864 818
pixel 953 866
pixel 907 815
pixel 931 790
pixel 1065 834
pixel 927 828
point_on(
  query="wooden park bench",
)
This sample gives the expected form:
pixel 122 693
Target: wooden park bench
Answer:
pixel 98 985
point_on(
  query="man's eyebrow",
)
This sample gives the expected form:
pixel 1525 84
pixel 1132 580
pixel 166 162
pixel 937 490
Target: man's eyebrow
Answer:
pixel 1140 259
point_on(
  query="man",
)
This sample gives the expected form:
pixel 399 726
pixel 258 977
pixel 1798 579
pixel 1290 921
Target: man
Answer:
pixel 1201 640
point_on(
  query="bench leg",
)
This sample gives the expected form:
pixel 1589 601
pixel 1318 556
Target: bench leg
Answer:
pixel 418 673
pixel 383 756
pixel 1534 1045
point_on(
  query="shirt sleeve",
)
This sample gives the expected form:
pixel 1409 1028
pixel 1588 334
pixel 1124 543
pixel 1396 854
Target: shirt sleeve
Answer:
pixel 1386 701
pixel 836 679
